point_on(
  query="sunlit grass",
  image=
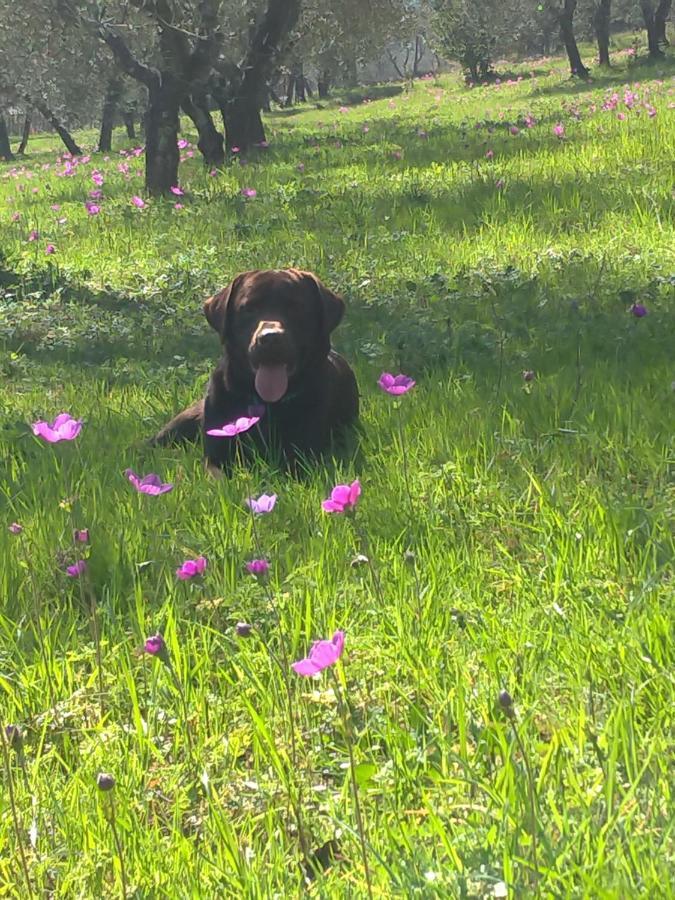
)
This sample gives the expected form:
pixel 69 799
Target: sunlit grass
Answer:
pixel 540 531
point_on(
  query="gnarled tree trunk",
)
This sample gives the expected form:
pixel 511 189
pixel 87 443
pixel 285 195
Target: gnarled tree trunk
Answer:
pixel 649 16
pixel 112 96
pixel 25 134
pixel 5 147
pixel 601 21
pixel 660 20
pixel 161 136
pixel 323 84
pixel 128 119
pixel 56 124
pixel 566 21
pixel 210 140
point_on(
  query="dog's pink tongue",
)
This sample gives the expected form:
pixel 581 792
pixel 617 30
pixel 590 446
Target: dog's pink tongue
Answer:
pixel 271 383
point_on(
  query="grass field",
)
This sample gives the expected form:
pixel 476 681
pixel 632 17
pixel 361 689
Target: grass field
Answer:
pixel 517 530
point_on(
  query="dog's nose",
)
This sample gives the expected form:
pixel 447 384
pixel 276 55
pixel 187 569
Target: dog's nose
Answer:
pixel 269 336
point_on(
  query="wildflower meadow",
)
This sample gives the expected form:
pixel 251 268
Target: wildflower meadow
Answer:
pixel 437 664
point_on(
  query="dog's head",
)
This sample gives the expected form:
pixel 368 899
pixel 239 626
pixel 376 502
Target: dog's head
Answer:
pixel 275 325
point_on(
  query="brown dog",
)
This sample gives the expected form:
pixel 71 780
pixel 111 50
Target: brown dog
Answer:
pixel 277 363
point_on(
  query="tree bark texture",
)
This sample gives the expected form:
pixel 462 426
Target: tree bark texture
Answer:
pixel 25 134
pixel 566 21
pixel 57 125
pixel 601 21
pixel 110 101
pixel 5 147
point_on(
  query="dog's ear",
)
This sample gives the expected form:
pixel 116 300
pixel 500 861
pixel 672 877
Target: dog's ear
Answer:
pixel 215 307
pixel 333 306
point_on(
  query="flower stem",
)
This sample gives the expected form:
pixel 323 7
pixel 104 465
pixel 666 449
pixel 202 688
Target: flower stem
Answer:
pixel 15 814
pixel 118 846
pixel 344 710
pixel 531 793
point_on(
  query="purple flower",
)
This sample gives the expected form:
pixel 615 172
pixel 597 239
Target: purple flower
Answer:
pixel 639 310
pixel 499 183
pixel 148 484
pixel 249 192
pixel 33 235
pixel 78 569
pixel 156 646
pixel 264 504
pixel 232 429
pixel 15 528
pixel 81 535
pixel 138 202
pixel 559 130
pixel 16 216
pixel 93 209
pixel 177 191
pixel 182 144
pixel 489 154
pixel 63 428
pixel 528 375
pixel 50 249
pixel 191 568
pixel 96 195
pixel 395 384
pixel 322 655
pixel 258 567
pixel 514 130
pixel 343 498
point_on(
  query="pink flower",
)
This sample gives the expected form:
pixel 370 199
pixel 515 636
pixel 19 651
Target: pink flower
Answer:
pixel 81 535
pixel 182 144
pixel 343 109
pixel 528 375
pixel 395 384
pixel 191 568
pixel 15 528
pixel 178 206
pixel 177 191
pixel 96 195
pixel 50 249
pixel 149 484
pixel 16 216
pixel 514 129
pixel 499 183
pixel 138 202
pixel 322 655
pixel 489 154
pixel 33 235
pixel 93 209
pixel 248 192
pixel 156 646
pixel 78 569
pixel 232 429
pixel 343 498
pixel 235 149
pixel 97 178
pixel 63 428
pixel 365 129
pixel 264 504
pixel 258 567
pixel 263 145
pixel 397 154
pixel 559 130
pixel 639 310
pixel 300 167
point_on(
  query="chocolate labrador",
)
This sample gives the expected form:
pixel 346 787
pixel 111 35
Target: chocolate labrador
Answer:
pixel 277 364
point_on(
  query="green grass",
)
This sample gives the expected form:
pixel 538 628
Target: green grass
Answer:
pixel 540 521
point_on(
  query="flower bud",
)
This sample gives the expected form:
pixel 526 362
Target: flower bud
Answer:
pixel 243 629
pixel 105 781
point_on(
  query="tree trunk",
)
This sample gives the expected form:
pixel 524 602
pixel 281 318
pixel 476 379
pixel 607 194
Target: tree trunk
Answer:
pixel 241 100
pixel 243 122
pixel 113 93
pixel 58 127
pixel 5 147
pixel 566 20
pixel 299 76
pixel 323 85
pixel 210 140
pixel 419 53
pixel 128 119
pixel 601 20
pixel 161 136
pixel 25 134
pixel 660 19
pixel 647 7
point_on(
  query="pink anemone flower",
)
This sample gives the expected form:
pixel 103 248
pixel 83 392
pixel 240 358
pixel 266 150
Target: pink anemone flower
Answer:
pixel 322 655
pixel 63 428
pixel 148 484
pixel 343 498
